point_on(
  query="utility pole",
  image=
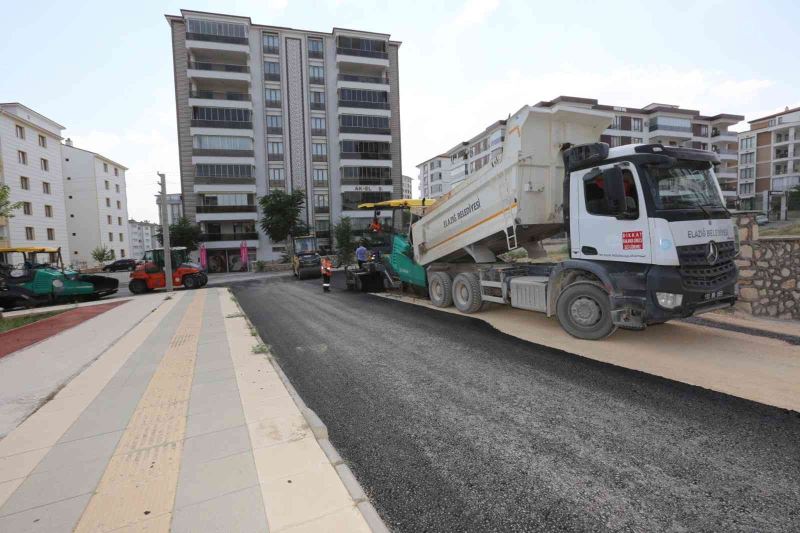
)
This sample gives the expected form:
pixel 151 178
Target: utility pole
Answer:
pixel 165 233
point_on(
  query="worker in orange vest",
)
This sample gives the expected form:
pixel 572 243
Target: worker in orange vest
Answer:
pixel 326 267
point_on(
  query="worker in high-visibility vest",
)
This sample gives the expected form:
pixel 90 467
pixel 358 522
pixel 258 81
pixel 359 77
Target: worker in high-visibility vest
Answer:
pixel 326 267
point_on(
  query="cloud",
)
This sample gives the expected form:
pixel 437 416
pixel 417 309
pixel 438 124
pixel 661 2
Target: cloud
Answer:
pixel 474 12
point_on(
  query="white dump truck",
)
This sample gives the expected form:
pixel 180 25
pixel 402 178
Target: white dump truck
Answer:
pixel 649 238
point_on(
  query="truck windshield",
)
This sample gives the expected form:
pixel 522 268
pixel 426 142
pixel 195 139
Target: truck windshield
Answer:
pixel 686 185
pixel 302 246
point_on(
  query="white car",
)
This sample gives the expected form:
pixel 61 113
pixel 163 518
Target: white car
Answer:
pixel 762 219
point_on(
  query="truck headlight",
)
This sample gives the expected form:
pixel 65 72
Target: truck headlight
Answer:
pixel 669 300
pixel 58 285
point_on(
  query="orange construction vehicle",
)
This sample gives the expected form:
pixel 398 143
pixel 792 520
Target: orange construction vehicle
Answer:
pixel 150 275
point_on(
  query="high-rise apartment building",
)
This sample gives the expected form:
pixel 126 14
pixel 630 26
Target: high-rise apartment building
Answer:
pixel 142 237
pixel 30 164
pixel 96 204
pixel 407 187
pixel 264 108
pixel 174 207
pixel 667 124
pixel 769 161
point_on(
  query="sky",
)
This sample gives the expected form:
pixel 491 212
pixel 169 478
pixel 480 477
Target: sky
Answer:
pixel 104 69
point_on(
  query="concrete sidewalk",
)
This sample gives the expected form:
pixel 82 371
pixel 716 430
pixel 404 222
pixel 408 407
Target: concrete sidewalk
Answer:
pixel 179 426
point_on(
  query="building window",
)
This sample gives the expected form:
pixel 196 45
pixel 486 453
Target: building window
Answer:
pixel 318 123
pixel 272 70
pixel 319 149
pixel 222 142
pixel 108 202
pixel 48 211
pixel 119 204
pixel 121 237
pixel 202 115
pixel 51 234
pixel 746 159
pixel 616 122
pixel 110 236
pixel 46 187
pixel 223 171
pixel 116 171
pixel 122 252
pixel 22 157
pixel 20 131
pixel 275 148
pixel 314 47
pixel 747 143
pixel 42 141
pixel 30 234
pixel 116 187
pixel 27 208
pixel 271 43
pixel 276 174
pixel 273 97
pixel 106 183
pixel 321 203
pixel 105 167
pixel 636 124
pixel 317 100
pixel 45 164
pixel 316 74
pixel 321 177
pixel 24 183
pixel 636 140
pixel 274 124
pixel 119 221
pixel 108 219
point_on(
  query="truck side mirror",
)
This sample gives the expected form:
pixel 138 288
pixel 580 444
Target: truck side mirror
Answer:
pixel 614 191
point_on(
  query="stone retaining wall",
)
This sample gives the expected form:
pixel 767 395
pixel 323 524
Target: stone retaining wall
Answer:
pixel 769 270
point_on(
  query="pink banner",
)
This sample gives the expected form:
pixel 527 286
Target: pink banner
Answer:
pixel 203 256
pixel 243 254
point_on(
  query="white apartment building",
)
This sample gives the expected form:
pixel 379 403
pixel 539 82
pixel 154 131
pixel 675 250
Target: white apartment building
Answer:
pixel 30 164
pixel 667 124
pixel 433 175
pixel 264 108
pixel 407 187
pixel 769 162
pixel 174 207
pixel 96 204
pixel 142 237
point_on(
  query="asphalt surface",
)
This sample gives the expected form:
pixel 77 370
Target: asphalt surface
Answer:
pixel 450 425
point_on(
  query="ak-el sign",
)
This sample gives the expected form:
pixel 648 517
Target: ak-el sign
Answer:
pixel 632 240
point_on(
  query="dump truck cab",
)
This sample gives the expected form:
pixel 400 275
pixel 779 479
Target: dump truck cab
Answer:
pixel 150 275
pixel 33 276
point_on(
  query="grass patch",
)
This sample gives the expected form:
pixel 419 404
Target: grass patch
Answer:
pixel 779 229
pixel 9 323
pixel 235 315
pixel 261 348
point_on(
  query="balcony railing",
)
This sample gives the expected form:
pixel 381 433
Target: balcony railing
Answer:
pixel 322 184
pixel 215 38
pixel 319 158
pixel 218 67
pixel 226 208
pixel 315 54
pixel 274 157
pixel 364 79
pixel 214 237
pixel 362 53
pixel 323 234
pixel 197 123
pixel 683 129
pixel 222 153
pixel 271 50
pixel 277 183
pixel 360 103
pixel 317 81
pixel 356 129
pixel 273 104
pixel 366 181
pixel 364 155
pixel 318 106
pixel 731 134
pixel 217 95
pixel 272 77
pixel 318 132
pixel 321 209
pixel 275 131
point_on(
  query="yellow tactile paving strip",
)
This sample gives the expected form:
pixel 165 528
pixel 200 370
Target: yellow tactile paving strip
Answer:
pixel 137 490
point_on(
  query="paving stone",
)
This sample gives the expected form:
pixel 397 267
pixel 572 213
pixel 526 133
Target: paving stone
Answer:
pixel 215 478
pixel 205 404
pixel 59 516
pixel 212 446
pixel 237 511
pixel 78 451
pixel 224 417
pixel 215 388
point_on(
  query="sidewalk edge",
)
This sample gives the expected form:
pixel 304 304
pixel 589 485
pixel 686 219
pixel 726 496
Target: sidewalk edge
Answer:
pixel 320 432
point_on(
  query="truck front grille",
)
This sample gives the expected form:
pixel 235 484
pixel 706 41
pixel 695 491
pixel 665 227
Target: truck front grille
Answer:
pixel 697 254
pixel 699 274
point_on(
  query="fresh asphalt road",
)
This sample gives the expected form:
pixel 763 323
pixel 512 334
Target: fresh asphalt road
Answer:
pixel 450 425
pixel 214 280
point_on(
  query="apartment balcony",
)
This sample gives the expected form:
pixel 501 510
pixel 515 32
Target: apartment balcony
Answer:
pixel 271 50
pixel 218 184
pixel 361 136
pixel 218 71
pixel 271 77
pixel 274 131
pixel 201 41
pixel 318 132
pixel 219 95
pixel 365 131
pixel 726 173
pixel 727 155
pixel 203 215
pixel 277 184
pixel 316 81
pixel 366 155
pixel 321 209
pixel 317 106
pixel 364 105
pixel 323 234
pixel 731 136
pixel 316 54
pixel 362 57
pixel 226 124
pixel 222 153
pixel 227 209
pixel 781 154
pixel 229 240
pixel 207 38
pixel 319 158
pixel 357 81
pixel 274 157
pixel 664 131
pixel 273 104
pixel 320 184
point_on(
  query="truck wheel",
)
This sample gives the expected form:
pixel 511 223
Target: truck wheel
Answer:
pixel 137 286
pixel 440 289
pixel 467 292
pixel 584 311
pixel 190 281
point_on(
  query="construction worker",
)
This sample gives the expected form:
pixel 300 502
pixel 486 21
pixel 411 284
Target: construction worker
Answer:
pixel 361 254
pixel 326 267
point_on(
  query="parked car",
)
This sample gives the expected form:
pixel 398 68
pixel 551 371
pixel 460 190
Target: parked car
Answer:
pixel 762 219
pixel 120 264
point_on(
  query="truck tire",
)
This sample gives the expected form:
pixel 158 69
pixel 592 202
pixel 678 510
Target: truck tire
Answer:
pixel 190 281
pixel 440 289
pixel 467 292
pixel 137 286
pixel 584 311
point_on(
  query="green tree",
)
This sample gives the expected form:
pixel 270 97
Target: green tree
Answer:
pixel 182 233
pixel 7 207
pixel 794 199
pixel 101 254
pixel 281 218
pixel 345 246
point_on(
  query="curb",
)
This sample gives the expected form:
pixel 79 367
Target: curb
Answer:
pixel 320 432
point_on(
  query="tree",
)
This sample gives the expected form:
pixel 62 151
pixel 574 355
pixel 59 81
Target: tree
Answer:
pixel 182 233
pixel 281 218
pixel 101 254
pixel 7 207
pixel 343 232
pixel 794 199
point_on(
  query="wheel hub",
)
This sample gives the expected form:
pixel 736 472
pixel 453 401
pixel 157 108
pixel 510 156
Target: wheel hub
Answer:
pixel 585 311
